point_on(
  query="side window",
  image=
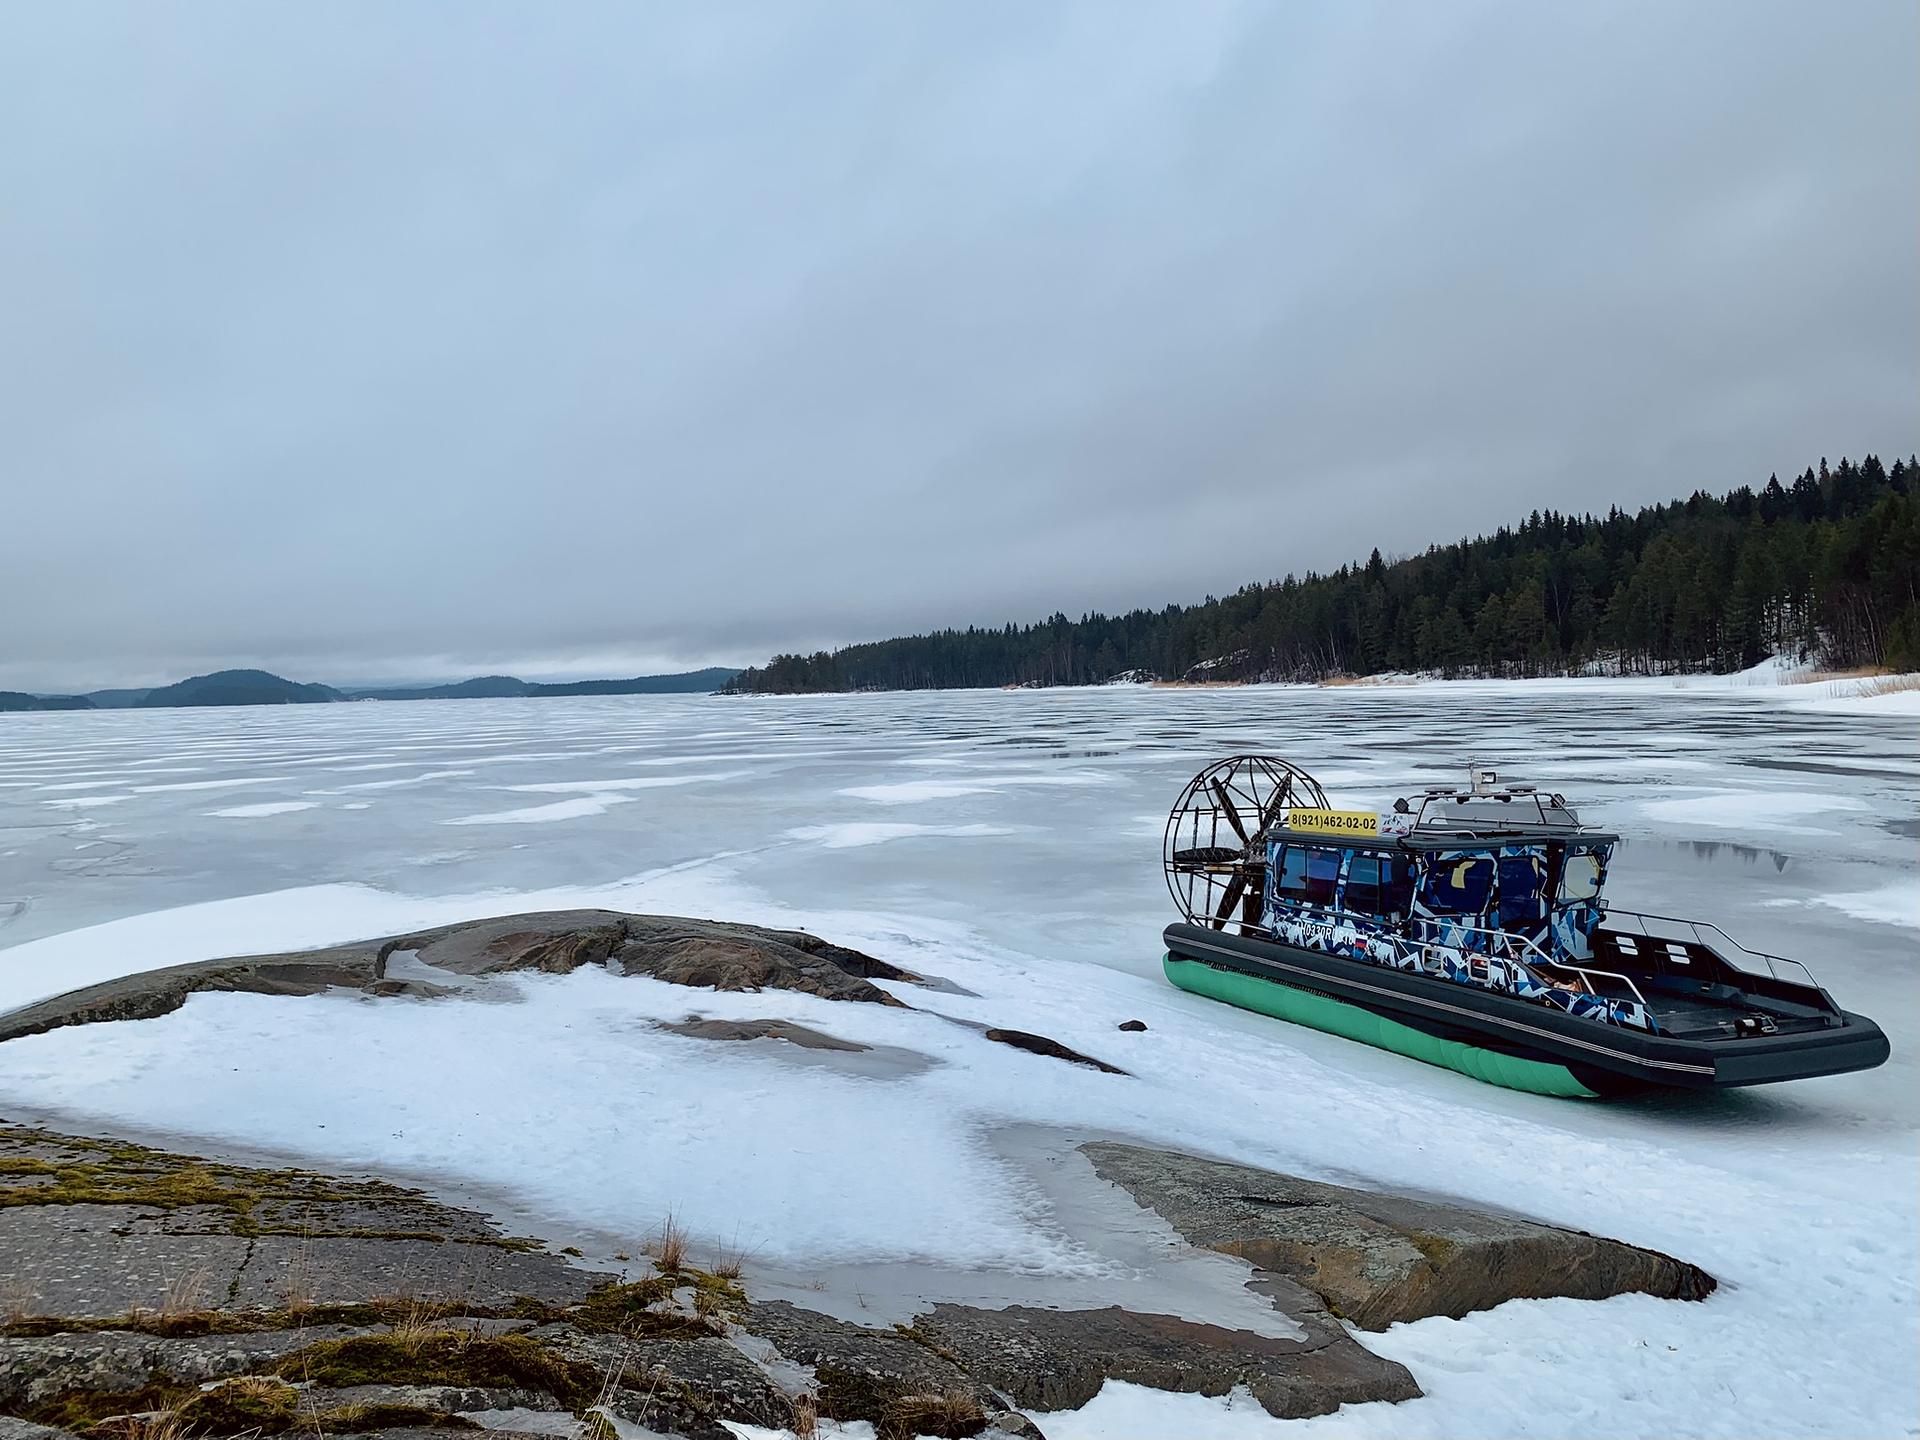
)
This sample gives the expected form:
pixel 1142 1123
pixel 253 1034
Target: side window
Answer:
pixel 1323 873
pixel 1305 875
pixel 1379 884
pixel 1396 874
pixel 1363 890
pixel 1580 875
pixel 1460 884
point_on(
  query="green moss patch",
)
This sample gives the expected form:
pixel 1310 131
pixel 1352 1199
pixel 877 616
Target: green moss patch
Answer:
pixel 442 1357
pixel 632 1308
pixel 1437 1248
pixel 100 1172
pixel 81 1410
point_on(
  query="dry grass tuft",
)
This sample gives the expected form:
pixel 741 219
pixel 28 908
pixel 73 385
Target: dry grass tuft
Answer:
pixel 1891 685
pixel 17 1298
pixel 669 1250
pixel 162 1425
pixel 296 1286
pixel 949 1417
pixel 187 1295
pixel 728 1261
pixel 805 1420
pixel 1856 672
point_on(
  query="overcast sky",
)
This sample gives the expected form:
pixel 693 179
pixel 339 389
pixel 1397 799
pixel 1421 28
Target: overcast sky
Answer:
pixel 410 340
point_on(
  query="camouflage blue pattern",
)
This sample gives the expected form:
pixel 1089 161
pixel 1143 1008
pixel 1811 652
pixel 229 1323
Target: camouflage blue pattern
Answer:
pixel 1477 917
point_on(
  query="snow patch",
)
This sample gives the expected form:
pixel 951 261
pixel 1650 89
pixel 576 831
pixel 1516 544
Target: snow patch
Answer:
pixel 546 814
pixel 1892 905
pixel 1750 810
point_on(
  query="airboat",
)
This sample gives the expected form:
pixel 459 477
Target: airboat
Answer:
pixel 1467 927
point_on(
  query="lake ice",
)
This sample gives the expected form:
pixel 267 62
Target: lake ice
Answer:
pixel 1010 843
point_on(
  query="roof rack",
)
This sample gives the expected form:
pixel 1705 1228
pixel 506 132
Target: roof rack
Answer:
pixel 1485 808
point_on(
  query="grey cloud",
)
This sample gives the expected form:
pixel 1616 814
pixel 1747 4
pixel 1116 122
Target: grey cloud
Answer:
pixel 365 339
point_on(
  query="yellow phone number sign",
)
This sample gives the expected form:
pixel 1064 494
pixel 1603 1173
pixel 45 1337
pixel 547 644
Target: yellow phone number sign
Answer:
pixel 1335 822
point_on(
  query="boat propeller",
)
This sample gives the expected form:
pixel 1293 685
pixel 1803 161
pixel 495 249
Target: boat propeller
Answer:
pixel 1215 850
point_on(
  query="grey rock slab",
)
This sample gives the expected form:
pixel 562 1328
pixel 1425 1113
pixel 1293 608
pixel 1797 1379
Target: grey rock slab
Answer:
pixel 41 1368
pixel 862 1374
pixel 1059 1359
pixel 73 1260
pixel 379 1214
pixel 688 1387
pixel 326 1269
pixel 444 1399
pixel 12 1429
pixel 1376 1258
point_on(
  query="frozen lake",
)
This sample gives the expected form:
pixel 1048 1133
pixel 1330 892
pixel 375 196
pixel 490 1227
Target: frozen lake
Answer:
pixel 1011 842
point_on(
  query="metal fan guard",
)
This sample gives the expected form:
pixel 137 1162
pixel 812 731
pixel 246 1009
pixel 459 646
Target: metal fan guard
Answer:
pixel 1214 849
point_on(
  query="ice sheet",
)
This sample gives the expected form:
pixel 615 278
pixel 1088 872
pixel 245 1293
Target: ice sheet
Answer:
pixel 1799 1198
pixel 854 834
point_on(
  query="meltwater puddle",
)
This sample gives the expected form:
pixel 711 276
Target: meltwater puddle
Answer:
pixel 1139 1261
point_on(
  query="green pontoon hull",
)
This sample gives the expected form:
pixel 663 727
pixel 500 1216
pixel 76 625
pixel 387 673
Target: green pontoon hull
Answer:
pixel 1337 1017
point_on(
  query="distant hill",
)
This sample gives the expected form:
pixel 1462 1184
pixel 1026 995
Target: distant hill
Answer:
pixel 238 687
pixel 261 687
pixel 493 687
pixel 483 687
pixel 16 700
pixel 688 682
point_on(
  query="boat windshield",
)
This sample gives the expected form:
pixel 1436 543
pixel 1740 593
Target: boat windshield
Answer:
pixel 1523 879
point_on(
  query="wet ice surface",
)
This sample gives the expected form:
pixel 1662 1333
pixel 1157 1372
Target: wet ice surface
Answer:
pixel 1009 843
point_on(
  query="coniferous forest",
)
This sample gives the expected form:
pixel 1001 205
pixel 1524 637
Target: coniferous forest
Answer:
pixel 1827 565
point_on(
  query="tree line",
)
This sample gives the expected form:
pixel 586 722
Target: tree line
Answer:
pixel 1827 566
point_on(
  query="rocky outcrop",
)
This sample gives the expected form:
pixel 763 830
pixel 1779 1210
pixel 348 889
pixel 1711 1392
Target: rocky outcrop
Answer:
pixel 1059 1359
pixel 1053 1049
pixel 1376 1259
pixel 705 953
pixel 785 1030
pixel 158 992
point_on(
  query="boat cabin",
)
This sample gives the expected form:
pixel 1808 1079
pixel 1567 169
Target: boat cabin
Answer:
pixel 1492 869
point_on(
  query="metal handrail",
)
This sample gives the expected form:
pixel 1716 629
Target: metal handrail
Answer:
pixel 1585 972
pixel 1696 926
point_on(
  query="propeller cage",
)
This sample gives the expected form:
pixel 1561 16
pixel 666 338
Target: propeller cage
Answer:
pixel 1215 849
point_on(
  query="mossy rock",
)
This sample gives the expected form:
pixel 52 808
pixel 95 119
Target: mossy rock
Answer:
pixel 631 1308
pixel 443 1358
pixel 250 1405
